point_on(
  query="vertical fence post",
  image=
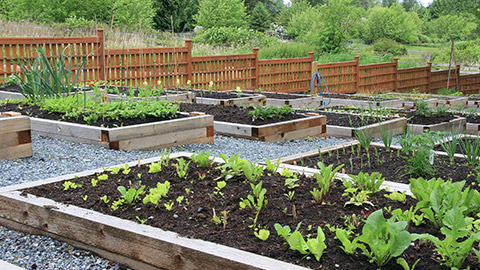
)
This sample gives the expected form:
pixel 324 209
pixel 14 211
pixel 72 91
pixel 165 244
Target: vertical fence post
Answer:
pixel 457 79
pixel 429 79
pixel 255 71
pixel 101 54
pixel 395 60
pixel 188 59
pixel 357 74
pixel 313 64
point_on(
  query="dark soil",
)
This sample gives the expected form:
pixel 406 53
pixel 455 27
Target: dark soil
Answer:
pixel 392 165
pixel 11 88
pixel 348 120
pixel 412 116
pixel 193 216
pixel 355 97
pixel 459 149
pixel 37 112
pixel 275 95
pixel 218 94
pixel 233 114
pixel 474 119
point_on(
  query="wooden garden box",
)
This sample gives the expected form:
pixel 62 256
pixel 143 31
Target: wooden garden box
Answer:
pixel 244 101
pixel 310 126
pixel 458 123
pixel 398 126
pixel 135 245
pixel 15 136
pixel 188 130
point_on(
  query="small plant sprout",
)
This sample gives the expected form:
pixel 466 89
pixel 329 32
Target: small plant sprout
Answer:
pixel 165 157
pixel 155 167
pixel 262 234
pixel 126 169
pixel 131 195
pixel 188 190
pixel 210 87
pixel 257 201
pixel 142 221
pixel 288 173
pixel 202 159
pixel 364 136
pixel 201 176
pixel 155 194
pixel 70 185
pixel 314 246
pixel 252 171
pixel 291 183
pixel 105 199
pixel 220 186
pixel 290 194
pixel 85 197
pixel 182 168
pixel 168 205
pixel 317 195
pixel 180 199
pixel 139 175
pixel 272 167
pixel 94 182
pixel 397 196
pixel 115 170
pixel 102 177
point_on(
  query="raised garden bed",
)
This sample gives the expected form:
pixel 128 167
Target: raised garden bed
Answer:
pixel 296 101
pixel 391 164
pixel 91 223
pixel 235 121
pixel 458 123
pixel 169 133
pixel 452 101
pixel 15 134
pixel 228 98
pixel 364 101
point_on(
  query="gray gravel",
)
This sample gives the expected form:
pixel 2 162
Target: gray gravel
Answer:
pixel 52 157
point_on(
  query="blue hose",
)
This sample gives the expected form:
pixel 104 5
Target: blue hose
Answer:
pixel 317 76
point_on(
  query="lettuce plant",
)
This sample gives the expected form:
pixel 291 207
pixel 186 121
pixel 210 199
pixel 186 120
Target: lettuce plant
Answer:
pixel 257 201
pixel 458 240
pixel 202 159
pixel 131 195
pixel 155 194
pixel 436 197
pixel 315 246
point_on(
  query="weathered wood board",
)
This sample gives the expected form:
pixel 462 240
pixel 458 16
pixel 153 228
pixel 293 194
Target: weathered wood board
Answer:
pixel 472 128
pixel 246 101
pixel 193 129
pixel 15 137
pixel 311 126
pixel 135 245
pixel 396 125
pixel 10 95
pixel 303 102
pixel 458 124
pixel 182 96
pixel 394 103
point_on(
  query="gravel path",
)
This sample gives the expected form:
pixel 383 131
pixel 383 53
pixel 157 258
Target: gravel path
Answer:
pixel 52 157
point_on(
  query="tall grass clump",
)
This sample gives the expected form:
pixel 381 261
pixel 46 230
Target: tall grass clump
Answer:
pixel 284 50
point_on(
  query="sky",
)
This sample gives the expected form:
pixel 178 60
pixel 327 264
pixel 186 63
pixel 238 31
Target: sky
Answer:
pixel 425 3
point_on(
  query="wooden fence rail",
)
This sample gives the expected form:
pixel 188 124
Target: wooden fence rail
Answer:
pixel 175 66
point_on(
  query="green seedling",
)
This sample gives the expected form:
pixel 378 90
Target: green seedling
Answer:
pixel 131 195
pixel 182 168
pixel 168 205
pixel 155 194
pixel 105 199
pixel 70 185
pixel 202 159
pixel 262 234
pixel 155 167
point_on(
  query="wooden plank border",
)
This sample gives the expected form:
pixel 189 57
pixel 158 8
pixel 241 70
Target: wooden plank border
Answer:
pixel 136 245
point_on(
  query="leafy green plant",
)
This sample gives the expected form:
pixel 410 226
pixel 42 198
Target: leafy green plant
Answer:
pixel 471 150
pixel 450 146
pixel 115 170
pixel 165 157
pixel 43 76
pixel 126 169
pixel 202 159
pixel 326 176
pixel 105 199
pixel 317 194
pixel 232 167
pixel 142 221
pixel 441 110
pixel 397 196
pixel 155 167
pixel 370 183
pixel 315 246
pixel 422 108
pixel 290 194
pixel 348 246
pixel 256 201
pixel 70 185
pixel 387 136
pixel 131 195
pixel 262 234
pixel 272 167
pixel 358 198
pixel 168 205
pixel 291 183
pixel 182 168
pixel 285 231
pixel 252 171
pixel 385 239
pixel 364 136
pixel 265 112
pixel 436 197
pixel 458 240
pixel 408 215
pixel 403 263
pixel 155 194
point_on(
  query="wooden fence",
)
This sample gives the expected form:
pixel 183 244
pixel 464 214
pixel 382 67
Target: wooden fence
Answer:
pixel 175 66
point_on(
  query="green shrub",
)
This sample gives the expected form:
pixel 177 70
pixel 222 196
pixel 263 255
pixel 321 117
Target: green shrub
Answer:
pixel 386 45
pixel 284 50
pixel 229 36
pixel 467 52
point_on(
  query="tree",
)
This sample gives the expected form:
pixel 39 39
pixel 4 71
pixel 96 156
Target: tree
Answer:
pixel 217 13
pixel 177 12
pixel 260 18
pixel 445 7
pixel 394 23
pixel 410 5
pixel 389 3
pixel 366 4
pixel 298 6
pixel 273 6
pixel 134 13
